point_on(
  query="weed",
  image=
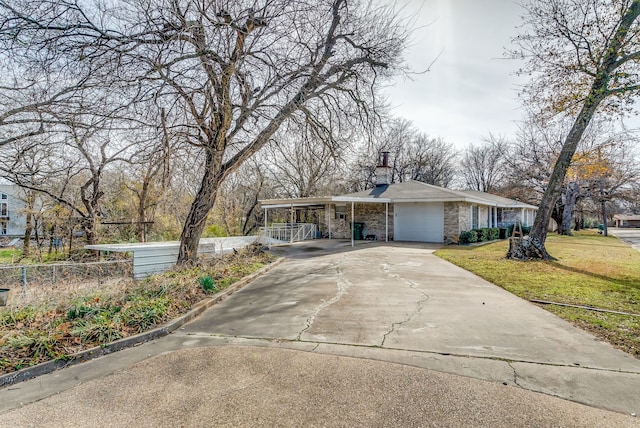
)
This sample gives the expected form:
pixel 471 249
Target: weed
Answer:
pixel 207 283
pixel 143 314
pixel 97 331
pixel 52 330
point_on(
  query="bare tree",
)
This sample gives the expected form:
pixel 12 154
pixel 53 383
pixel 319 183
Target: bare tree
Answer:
pixel 431 160
pixel 413 155
pixel 304 161
pixel 483 166
pixel 584 56
pixel 229 73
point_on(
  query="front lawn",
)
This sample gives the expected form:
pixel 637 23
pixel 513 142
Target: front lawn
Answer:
pixel 591 270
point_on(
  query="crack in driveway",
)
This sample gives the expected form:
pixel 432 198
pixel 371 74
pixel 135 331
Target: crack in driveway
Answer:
pixel 419 303
pixel 515 374
pixel 342 285
pixel 283 342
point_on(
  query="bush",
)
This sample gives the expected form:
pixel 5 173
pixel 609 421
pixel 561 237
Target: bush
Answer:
pixel 483 234
pixel 503 233
pixel 214 231
pixel 468 237
pixel 494 233
pixel 207 283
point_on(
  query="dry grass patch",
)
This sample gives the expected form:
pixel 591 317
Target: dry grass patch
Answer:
pixel 79 318
pixel 591 270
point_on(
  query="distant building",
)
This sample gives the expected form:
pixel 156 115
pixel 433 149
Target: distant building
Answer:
pixel 622 220
pixel 12 218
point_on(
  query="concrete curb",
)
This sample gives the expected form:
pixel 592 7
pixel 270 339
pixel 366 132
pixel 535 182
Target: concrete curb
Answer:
pixel 128 342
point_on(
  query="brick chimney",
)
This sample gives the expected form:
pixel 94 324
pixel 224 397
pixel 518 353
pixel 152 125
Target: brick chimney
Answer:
pixel 383 170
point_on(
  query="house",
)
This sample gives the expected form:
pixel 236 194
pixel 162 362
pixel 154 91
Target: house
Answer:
pixel 12 220
pixel 407 211
pixel 622 220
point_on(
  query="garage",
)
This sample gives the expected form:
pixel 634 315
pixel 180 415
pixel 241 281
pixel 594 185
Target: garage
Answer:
pixel 419 221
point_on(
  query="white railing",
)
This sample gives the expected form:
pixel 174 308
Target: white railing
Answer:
pixel 280 233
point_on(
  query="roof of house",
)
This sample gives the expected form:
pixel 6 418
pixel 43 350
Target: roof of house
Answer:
pixel 408 191
pixel 627 217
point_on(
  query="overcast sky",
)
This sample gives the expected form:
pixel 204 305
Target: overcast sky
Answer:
pixel 470 90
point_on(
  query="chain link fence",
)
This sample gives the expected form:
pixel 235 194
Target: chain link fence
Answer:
pixel 52 274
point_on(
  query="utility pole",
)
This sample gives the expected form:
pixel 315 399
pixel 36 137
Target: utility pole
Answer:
pixel 604 208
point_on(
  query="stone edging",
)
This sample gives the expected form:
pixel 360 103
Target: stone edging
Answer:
pixel 128 342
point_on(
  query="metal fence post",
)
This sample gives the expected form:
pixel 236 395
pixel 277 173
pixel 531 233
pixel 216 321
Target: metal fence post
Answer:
pixel 24 280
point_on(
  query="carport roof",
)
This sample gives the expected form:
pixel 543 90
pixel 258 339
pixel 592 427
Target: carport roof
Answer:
pixel 408 191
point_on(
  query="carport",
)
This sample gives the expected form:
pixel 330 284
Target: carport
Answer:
pixel 318 203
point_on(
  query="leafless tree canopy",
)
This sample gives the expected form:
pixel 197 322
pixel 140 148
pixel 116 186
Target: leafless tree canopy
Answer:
pixel 483 167
pixel 413 155
pixel 227 73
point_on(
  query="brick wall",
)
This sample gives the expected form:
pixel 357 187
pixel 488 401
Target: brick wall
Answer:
pixel 464 216
pixel 372 215
pixel 451 222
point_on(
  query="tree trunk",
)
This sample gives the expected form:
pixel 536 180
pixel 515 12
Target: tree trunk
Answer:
pixel 89 228
pixel 570 199
pixel 557 212
pixel 197 217
pixel 28 228
pixel 140 227
pixel 532 247
pixel 26 248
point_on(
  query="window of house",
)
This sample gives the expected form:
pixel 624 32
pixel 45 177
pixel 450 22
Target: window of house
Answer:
pixel 3 228
pixel 474 217
pixel 341 212
pixel 4 205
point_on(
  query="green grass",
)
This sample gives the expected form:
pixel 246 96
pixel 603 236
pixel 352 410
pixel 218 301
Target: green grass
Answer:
pixel 590 270
pixel 8 256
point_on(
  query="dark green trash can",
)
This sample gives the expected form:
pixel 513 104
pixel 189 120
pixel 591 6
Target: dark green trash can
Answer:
pixel 358 228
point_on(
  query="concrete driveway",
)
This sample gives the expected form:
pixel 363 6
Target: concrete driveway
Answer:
pixel 390 303
pixel 630 236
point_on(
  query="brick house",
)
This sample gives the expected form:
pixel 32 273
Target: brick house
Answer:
pixel 407 211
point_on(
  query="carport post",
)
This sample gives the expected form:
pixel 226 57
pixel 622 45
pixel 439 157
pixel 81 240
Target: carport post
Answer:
pixel 329 206
pixel 352 223
pixel 386 222
pixel 266 231
pixel 291 234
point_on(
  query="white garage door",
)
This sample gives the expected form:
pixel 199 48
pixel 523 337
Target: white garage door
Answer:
pixel 422 222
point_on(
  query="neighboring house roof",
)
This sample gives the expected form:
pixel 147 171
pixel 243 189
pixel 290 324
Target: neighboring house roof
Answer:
pixel 408 191
pixel 501 201
pixel 627 217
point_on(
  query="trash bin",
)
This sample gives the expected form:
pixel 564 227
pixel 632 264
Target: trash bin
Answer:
pixel 4 296
pixel 358 229
pixel 601 229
